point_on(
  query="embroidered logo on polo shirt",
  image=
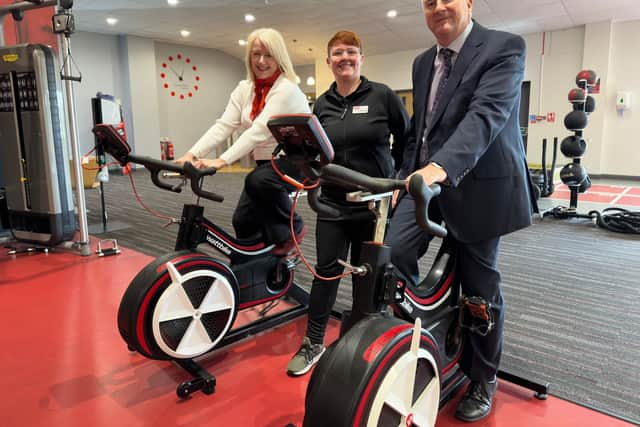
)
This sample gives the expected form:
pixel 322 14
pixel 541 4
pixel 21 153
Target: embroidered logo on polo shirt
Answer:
pixel 360 109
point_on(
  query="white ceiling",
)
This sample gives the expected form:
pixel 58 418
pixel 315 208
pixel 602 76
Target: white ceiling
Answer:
pixel 307 25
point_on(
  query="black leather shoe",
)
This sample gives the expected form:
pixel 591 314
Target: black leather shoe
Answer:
pixel 476 402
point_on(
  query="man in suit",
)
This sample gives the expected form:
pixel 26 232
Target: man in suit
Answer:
pixel 465 135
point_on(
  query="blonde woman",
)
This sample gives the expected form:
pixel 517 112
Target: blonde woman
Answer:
pixel 270 89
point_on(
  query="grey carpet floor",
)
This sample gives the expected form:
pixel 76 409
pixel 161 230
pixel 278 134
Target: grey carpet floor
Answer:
pixel 572 290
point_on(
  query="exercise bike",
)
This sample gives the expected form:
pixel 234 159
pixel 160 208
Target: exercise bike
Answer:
pixel 184 303
pixel 386 369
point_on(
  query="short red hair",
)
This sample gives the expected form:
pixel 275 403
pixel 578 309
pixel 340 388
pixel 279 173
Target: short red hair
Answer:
pixel 347 37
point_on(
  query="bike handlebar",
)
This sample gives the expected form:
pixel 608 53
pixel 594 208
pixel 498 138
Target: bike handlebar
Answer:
pixel 195 175
pixel 422 194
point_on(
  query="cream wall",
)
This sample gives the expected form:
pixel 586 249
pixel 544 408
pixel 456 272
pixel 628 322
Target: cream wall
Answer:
pixel 621 153
pixel 129 68
pixel 184 121
pixel 98 76
pixel 140 66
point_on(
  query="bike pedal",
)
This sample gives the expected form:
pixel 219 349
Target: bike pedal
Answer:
pixel 290 261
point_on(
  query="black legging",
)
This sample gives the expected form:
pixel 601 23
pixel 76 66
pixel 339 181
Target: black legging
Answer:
pixel 333 239
pixel 264 204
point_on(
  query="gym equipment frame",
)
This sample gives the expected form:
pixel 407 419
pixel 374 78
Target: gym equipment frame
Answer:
pixel 386 369
pixel 63 25
pixel 183 304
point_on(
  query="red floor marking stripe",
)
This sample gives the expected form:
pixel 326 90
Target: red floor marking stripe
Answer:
pixel 634 191
pixel 596 188
pixel 615 189
pixel 629 201
pixel 587 197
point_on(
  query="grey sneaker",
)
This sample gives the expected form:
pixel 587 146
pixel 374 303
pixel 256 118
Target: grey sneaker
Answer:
pixel 307 355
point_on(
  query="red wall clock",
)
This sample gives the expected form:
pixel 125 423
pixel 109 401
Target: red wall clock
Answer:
pixel 180 77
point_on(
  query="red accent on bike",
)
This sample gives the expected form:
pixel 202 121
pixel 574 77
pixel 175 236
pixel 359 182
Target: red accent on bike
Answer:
pixel 454 362
pixel 252 303
pixel 173 261
pixel 236 245
pixel 376 374
pixel 436 297
pixel 409 421
pixel 376 347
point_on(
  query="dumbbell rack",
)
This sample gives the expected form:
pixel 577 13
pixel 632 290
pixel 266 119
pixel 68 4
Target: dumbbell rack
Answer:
pixel 574 174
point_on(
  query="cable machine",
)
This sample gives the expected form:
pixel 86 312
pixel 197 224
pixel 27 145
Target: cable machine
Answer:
pixel 35 125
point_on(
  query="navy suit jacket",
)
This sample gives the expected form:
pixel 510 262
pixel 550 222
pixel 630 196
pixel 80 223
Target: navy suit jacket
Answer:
pixel 475 136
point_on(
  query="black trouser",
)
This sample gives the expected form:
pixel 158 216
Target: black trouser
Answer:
pixel 264 204
pixel 477 269
pixel 333 239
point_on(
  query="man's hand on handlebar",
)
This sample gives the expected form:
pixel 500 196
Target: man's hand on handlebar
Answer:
pixel 431 174
pixel 210 163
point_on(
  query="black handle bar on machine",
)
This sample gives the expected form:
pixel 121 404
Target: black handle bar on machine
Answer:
pixel 115 145
pixel 306 144
pixel 421 193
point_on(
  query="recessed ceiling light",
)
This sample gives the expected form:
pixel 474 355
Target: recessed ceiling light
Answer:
pixel 185 33
pixel 249 17
pixel 242 42
pixel 311 81
pixel 112 21
pixel 172 2
pixel 392 13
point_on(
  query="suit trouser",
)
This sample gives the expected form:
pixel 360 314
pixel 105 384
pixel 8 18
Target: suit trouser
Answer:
pixel 477 271
pixel 333 239
pixel 264 204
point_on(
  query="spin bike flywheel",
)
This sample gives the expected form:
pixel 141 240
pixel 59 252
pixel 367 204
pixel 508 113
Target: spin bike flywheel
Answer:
pixel 179 306
pixel 382 372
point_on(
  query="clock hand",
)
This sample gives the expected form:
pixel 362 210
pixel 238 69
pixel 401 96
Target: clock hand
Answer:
pixel 181 74
pixel 175 72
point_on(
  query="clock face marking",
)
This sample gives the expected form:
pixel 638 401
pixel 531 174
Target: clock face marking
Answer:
pixel 180 76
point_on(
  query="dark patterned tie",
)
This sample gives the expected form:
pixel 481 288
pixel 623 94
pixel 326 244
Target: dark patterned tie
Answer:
pixel 445 56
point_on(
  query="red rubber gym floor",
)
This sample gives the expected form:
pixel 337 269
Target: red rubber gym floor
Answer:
pixel 63 362
pixel 609 194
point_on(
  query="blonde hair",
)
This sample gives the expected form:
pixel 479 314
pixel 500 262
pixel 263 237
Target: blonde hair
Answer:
pixel 274 42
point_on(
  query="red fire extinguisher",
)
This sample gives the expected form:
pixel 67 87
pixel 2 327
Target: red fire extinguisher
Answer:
pixel 166 149
pixel 170 150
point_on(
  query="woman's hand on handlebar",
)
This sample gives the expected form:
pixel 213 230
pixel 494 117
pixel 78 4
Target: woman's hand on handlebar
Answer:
pixel 210 163
pixel 186 157
pixel 431 174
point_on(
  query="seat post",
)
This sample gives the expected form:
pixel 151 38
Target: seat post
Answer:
pixel 378 204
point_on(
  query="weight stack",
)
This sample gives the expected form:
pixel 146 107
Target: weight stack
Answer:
pixel 33 146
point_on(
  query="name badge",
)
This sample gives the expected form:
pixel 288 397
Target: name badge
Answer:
pixel 360 109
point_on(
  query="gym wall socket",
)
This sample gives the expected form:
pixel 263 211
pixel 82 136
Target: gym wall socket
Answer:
pixel 623 101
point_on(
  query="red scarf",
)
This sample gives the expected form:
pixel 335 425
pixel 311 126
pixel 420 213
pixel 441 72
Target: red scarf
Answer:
pixel 262 87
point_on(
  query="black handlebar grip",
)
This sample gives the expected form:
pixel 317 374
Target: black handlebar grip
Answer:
pixel 422 195
pixel 343 175
pixel 155 177
pixel 195 175
pixel 154 167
